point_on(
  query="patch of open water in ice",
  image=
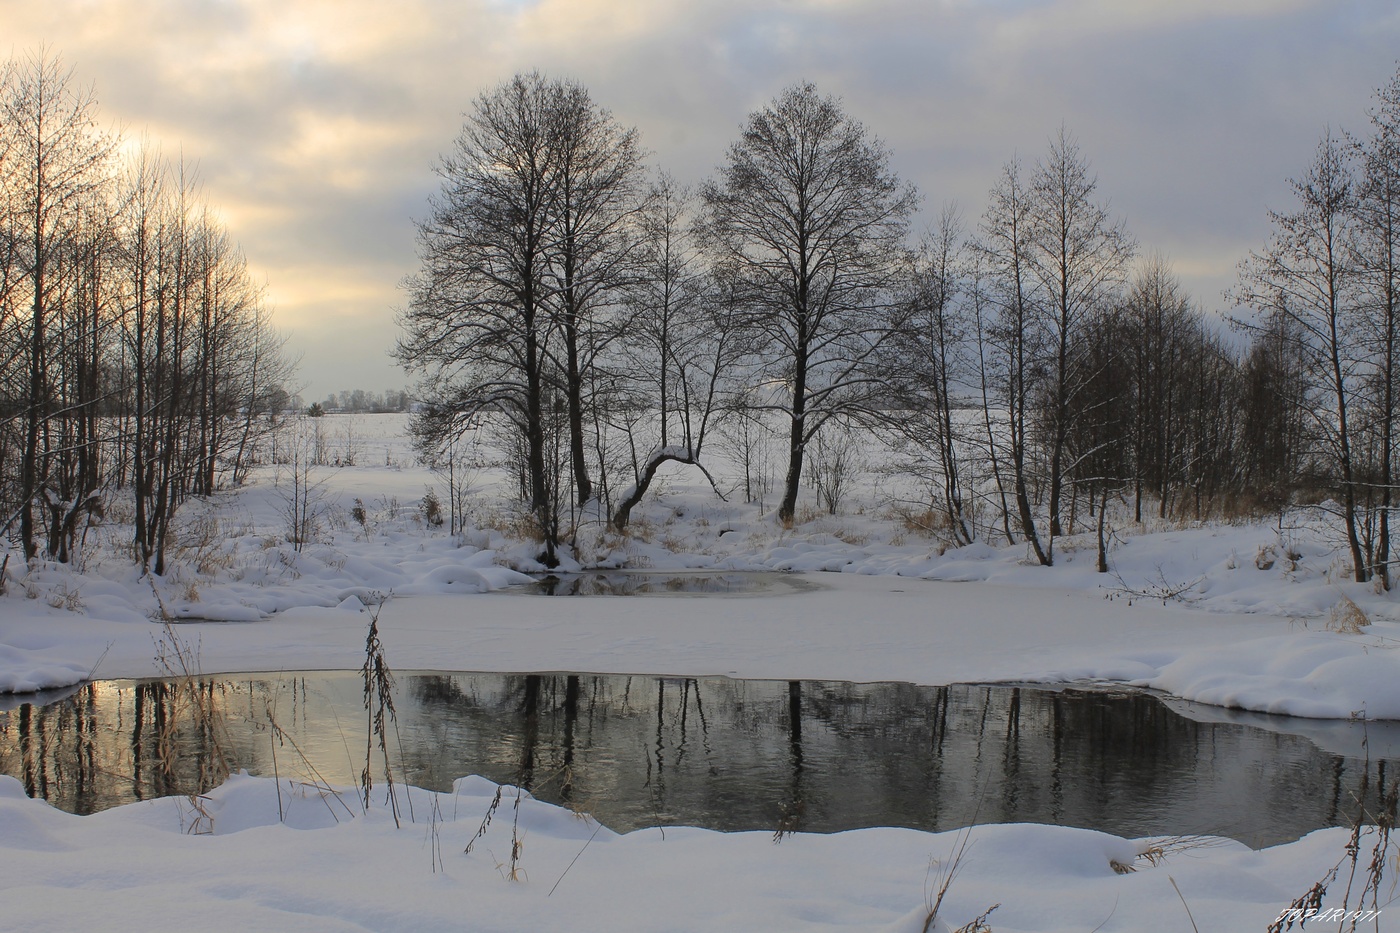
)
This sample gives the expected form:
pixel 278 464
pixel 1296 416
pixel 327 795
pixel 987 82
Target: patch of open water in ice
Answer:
pixel 728 754
pixel 665 583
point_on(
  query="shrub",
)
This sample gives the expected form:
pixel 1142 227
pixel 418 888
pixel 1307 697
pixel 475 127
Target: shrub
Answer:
pixel 431 507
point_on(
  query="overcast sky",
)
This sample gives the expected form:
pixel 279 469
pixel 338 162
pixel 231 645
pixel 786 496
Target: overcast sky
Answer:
pixel 316 123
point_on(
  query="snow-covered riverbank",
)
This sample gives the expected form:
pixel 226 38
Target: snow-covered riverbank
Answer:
pixel 1245 615
pixel 327 865
pixel 1237 615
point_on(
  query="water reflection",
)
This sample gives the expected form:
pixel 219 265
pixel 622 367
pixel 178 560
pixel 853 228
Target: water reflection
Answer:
pixel 112 742
pixel 729 754
pixel 659 583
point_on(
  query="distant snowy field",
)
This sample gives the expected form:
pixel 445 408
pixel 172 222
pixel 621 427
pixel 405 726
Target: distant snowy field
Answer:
pixel 1240 615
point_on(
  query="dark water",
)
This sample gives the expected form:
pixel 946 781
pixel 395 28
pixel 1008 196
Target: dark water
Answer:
pixel 728 754
pixel 662 583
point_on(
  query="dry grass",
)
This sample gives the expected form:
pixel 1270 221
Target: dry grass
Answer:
pixel 1347 617
pixel 191 705
pixel 1158 851
pixel 1266 555
pixel 804 515
pixel 198 821
pixel 380 713
pixel 515 524
pixel 641 529
pixel 923 522
pixel 844 533
pixel 789 819
pixel 1162 588
pixel 511 871
pixel 1073 544
pixel 64 597
pixel 119 511
pixel 943 875
pixel 201 542
pixel 1369 830
pixel 317 786
pixel 978 924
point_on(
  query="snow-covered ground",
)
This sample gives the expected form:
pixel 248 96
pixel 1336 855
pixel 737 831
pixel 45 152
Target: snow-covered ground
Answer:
pixel 1242 615
pixel 328 866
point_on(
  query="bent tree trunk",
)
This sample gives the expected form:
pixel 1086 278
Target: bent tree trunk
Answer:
pixel 623 514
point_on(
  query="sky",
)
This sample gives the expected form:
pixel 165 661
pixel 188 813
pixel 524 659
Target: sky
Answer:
pixel 316 124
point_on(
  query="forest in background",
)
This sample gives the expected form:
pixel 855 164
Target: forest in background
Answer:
pixel 1030 364
pixel 136 353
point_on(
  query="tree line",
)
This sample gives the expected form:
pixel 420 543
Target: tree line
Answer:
pixel 137 357
pixel 360 401
pixel 1030 364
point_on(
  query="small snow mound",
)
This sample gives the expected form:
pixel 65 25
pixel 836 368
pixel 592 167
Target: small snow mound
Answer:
pixel 22 671
pixel 218 612
pixel 459 577
pixel 975 551
pixel 474 785
pixel 22 828
pixel 243 803
pixel 916 921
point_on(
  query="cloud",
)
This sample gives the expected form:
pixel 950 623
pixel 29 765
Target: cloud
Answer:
pixel 316 124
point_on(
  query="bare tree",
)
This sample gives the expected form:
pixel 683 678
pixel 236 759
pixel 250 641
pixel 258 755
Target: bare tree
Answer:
pixel 199 359
pixel 808 214
pixel 1099 434
pixel 143 196
pixel 127 322
pixel 524 259
pixel 595 179
pixel 1014 332
pixel 56 168
pixel 1080 256
pixel 980 319
pixel 682 342
pixel 1159 318
pixel 927 359
pixel 665 298
pixel 1275 385
pixel 1306 274
pixel 476 324
pixel 264 373
pixel 168 461
pixel 1378 266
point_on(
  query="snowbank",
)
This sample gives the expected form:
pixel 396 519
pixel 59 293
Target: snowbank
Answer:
pixel 851 627
pixel 256 856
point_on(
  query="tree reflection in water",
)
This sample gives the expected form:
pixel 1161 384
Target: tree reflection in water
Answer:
pixel 728 754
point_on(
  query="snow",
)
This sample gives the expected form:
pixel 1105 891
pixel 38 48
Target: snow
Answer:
pixel 317 860
pixel 1315 674
pixel 852 626
pixel 1233 615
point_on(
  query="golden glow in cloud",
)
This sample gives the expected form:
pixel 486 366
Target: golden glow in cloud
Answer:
pixel 345 147
pixel 315 124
